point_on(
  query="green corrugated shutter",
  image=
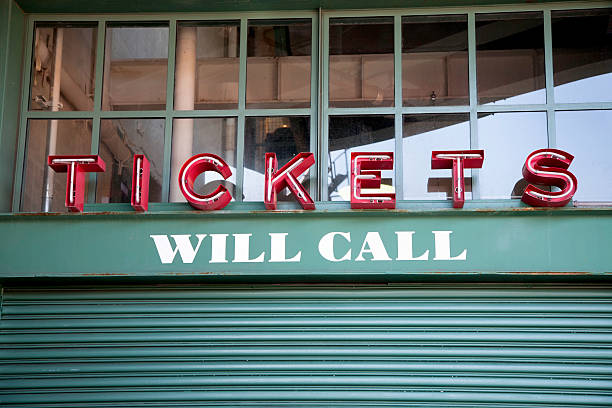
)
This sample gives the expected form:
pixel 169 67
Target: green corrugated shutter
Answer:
pixel 368 346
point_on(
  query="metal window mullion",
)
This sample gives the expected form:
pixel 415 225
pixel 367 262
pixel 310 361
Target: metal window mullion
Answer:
pixel 242 76
pixel 324 129
pixel 97 106
pixel 473 94
pixel 399 151
pixel 23 122
pixel 168 125
pixel 314 103
pixel 550 91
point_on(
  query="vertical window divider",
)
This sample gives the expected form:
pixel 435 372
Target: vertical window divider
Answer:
pixel 473 92
pixel 241 109
pixel 169 110
pixel 324 146
pixel 550 85
pixel 399 154
pixel 97 105
pixel 315 101
pixel 23 122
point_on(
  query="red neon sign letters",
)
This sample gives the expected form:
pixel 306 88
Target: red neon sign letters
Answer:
pixel 197 165
pixel 549 167
pixel 287 176
pixel 76 167
pixel 543 167
pixel 457 160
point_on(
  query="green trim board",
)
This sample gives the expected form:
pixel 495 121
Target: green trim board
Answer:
pixel 161 6
pixel 307 243
pixel 12 22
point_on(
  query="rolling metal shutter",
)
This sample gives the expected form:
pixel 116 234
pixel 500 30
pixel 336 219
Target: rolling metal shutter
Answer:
pixel 368 346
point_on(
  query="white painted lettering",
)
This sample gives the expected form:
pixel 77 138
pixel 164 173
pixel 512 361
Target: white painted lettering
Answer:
pixel 326 246
pixel 373 245
pixel 183 247
pixel 443 247
pixel 242 244
pixel 278 248
pixel 218 249
pixel 404 247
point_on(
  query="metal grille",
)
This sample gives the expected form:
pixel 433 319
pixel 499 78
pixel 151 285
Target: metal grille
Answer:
pixel 374 346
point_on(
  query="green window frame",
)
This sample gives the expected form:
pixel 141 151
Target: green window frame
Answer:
pixel 319 110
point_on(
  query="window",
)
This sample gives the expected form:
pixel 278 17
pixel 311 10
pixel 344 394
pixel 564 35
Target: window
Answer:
pixel 402 81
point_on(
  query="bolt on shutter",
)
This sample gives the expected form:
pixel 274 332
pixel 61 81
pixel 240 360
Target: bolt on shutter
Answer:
pixel 368 346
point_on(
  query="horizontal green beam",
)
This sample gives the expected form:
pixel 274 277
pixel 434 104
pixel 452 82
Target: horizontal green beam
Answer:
pixel 253 242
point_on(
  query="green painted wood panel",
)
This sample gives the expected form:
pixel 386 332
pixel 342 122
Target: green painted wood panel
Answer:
pixel 307 346
pixel 225 243
pixel 117 6
pixel 12 24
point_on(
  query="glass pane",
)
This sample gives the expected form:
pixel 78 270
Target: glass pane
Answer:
pixel 510 58
pixel 120 140
pixel 434 60
pixel 507 139
pixel 421 135
pixel 284 135
pixel 587 135
pixel 207 65
pixel 582 55
pixel 43 188
pixel 278 64
pixel 204 135
pixel 361 62
pixel 63 67
pixel 135 67
pixel 356 134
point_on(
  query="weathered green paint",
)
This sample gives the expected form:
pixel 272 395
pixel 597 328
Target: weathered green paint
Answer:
pixel 12 23
pixel 144 6
pixel 500 241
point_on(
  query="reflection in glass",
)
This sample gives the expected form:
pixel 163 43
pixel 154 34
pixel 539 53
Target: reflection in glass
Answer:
pixel 434 60
pixel 204 135
pixel 587 135
pixel 421 135
pixel 43 189
pixel 120 140
pixel 63 67
pixel 507 139
pixel 361 62
pixel 284 135
pixel 510 58
pixel 135 67
pixel 582 55
pixel 278 64
pixel 356 134
pixel 206 65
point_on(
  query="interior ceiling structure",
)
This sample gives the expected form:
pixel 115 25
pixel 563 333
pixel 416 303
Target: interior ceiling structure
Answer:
pixel 162 6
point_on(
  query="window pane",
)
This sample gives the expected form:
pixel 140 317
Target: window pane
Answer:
pixel 356 134
pixel 204 135
pixel 423 134
pixel 207 65
pixel 284 135
pixel 361 62
pixel 582 55
pixel 135 67
pixel 63 67
pixel 278 64
pixel 434 60
pixel 587 135
pixel 120 140
pixel 507 139
pixel 510 58
pixel 43 189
